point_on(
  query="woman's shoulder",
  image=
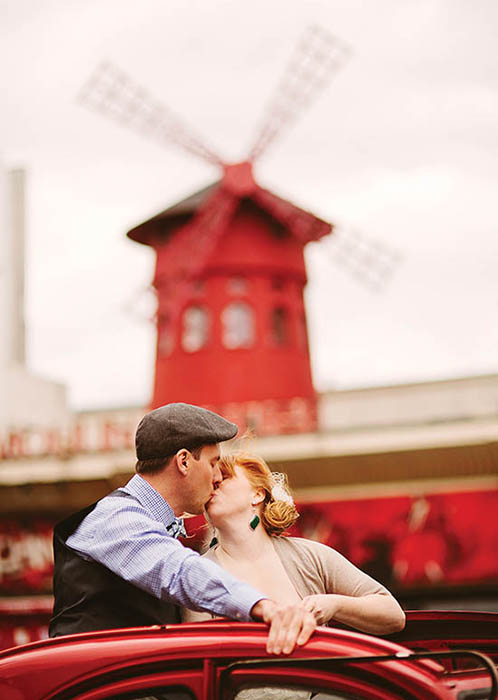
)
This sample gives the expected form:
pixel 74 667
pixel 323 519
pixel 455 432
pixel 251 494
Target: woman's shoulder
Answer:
pixel 312 560
pixel 299 543
pixel 305 547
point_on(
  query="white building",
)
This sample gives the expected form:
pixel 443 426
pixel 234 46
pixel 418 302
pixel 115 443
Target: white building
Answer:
pixel 25 399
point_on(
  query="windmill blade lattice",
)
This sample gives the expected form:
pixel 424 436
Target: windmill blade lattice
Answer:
pixel 317 57
pixel 110 91
pixel 372 263
pixel 204 231
pixel 199 237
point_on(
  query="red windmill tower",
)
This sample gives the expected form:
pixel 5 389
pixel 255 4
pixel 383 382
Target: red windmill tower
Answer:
pixel 230 273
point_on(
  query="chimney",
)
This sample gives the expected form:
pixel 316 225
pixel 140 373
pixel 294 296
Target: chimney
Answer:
pixel 16 354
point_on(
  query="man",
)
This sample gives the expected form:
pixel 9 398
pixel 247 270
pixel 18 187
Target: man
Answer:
pixel 118 562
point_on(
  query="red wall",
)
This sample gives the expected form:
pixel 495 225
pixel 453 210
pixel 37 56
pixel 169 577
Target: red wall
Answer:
pixel 437 539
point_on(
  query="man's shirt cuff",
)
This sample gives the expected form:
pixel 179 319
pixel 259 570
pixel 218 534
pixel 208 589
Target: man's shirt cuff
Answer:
pixel 246 597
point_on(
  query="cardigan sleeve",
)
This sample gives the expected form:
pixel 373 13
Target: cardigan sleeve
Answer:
pixel 337 574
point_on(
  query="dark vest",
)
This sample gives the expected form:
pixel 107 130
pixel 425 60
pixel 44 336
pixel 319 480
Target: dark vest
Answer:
pixel 89 596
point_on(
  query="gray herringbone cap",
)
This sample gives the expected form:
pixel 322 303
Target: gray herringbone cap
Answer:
pixel 167 429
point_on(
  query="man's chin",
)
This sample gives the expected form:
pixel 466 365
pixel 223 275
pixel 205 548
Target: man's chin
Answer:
pixel 196 510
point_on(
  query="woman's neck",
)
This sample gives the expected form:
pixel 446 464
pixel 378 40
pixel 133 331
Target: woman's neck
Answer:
pixel 239 542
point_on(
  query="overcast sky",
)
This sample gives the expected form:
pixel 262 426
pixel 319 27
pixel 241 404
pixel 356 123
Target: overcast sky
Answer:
pixel 402 147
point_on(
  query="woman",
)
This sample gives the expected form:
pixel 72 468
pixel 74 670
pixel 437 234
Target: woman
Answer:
pixel 250 510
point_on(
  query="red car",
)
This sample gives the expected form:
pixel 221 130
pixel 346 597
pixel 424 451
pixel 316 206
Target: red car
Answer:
pixel 444 655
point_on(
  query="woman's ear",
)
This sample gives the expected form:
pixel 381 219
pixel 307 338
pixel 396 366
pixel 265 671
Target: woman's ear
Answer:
pixel 258 497
pixel 182 462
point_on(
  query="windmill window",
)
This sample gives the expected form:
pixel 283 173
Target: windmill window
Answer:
pixel 195 329
pixel 238 325
pixel 166 340
pixel 280 326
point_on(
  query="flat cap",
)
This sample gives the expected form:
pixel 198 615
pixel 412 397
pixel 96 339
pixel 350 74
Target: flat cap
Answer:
pixel 167 429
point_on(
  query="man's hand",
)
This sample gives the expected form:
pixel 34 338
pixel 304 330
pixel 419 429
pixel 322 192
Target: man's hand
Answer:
pixel 289 625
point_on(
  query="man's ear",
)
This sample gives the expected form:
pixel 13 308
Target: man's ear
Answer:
pixel 182 461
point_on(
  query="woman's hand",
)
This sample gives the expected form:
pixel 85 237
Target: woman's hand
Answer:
pixel 376 613
pixel 323 607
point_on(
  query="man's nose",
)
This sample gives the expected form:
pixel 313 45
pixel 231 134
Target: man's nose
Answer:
pixel 217 477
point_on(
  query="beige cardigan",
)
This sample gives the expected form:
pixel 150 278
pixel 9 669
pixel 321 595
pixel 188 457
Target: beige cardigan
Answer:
pixel 312 568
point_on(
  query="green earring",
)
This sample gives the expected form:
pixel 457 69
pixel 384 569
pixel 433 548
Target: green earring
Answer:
pixel 254 522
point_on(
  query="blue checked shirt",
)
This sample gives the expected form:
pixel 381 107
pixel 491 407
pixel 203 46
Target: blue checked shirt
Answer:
pixel 136 539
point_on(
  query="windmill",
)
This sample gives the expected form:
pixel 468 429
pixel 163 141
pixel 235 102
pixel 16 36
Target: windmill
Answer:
pixel 230 271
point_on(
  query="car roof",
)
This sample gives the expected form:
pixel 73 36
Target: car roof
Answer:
pixel 40 668
pixel 55 662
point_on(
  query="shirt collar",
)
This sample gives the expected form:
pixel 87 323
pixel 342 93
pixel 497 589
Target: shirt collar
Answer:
pixel 151 499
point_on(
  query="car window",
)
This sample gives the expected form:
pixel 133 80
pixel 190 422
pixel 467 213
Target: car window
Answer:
pixel 152 692
pixel 157 694
pixel 275 692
